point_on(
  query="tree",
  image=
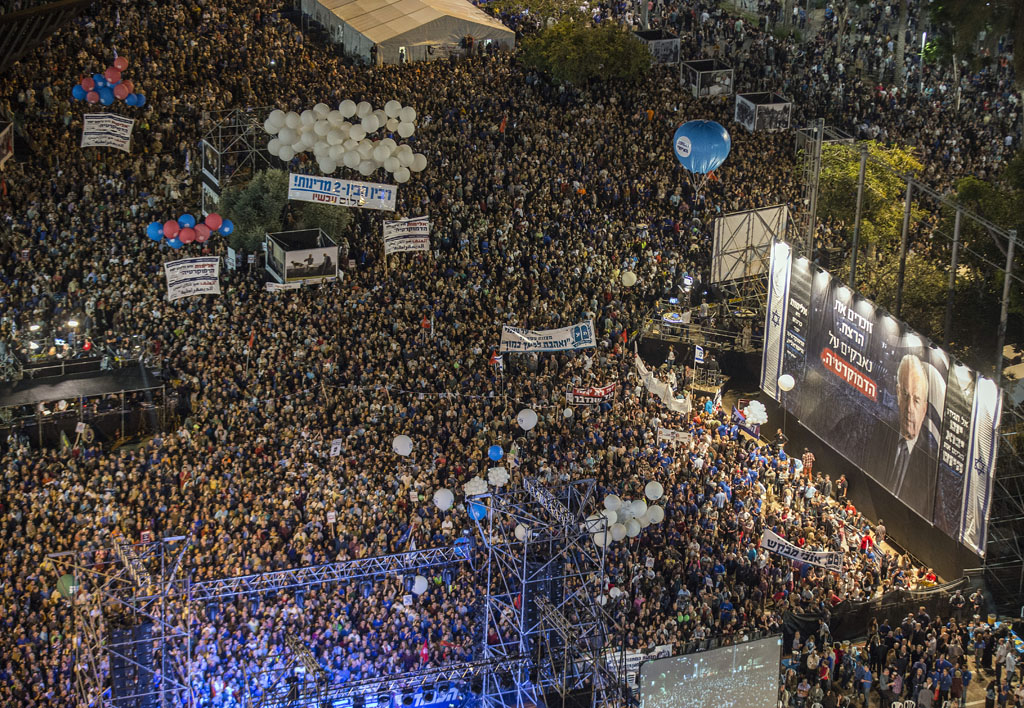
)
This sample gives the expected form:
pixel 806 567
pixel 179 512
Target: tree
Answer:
pixel 962 22
pixel 258 208
pixel 575 51
pixel 884 192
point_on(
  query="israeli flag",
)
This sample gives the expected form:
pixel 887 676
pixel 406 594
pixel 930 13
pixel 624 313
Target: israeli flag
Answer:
pixel 698 355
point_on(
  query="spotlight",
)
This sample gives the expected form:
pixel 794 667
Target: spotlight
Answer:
pixel 72 323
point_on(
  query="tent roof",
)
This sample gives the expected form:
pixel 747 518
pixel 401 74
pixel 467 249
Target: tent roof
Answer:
pixel 381 20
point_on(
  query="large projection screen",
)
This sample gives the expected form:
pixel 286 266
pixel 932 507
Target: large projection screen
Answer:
pixel 743 675
pixel 886 398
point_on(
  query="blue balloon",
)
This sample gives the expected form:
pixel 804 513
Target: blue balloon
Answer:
pixel 226 227
pixel 186 221
pixel 78 92
pixel 106 96
pixel 701 146
pixel 140 100
pixel 99 80
pixel 131 99
pixel 495 452
pixel 155 230
pixel 477 511
pixel 175 244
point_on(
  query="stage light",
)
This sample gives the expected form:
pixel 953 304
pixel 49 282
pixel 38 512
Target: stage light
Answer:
pixel 33 328
pixel 72 323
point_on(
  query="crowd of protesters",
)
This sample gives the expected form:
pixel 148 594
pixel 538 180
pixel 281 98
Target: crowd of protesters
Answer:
pixel 540 196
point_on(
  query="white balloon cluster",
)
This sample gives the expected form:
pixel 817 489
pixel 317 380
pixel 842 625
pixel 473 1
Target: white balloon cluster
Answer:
pixel 336 141
pixel 475 486
pixel 443 499
pixel 498 476
pixel 755 413
pixel 622 518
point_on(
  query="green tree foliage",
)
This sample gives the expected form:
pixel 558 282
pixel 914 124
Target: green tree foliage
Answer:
pixel 258 208
pixel 577 52
pixel 884 191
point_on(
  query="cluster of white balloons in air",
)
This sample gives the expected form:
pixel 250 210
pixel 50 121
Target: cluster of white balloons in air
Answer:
pixel 497 476
pixel 336 141
pixel 622 518
pixel 755 413
pixel 475 486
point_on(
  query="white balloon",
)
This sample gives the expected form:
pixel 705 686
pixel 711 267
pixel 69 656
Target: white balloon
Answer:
pixel 390 144
pixel 639 507
pixel 351 159
pixel 615 591
pixel 612 502
pixel 357 133
pixel 327 166
pixel 625 512
pixel 594 523
pixel 335 137
pixel 633 528
pixel 602 539
pixel 653 491
pixel 321 128
pixel 366 168
pixel 406 158
pixel 419 585
pixel 443 499
pixel 363 108
pixel 407 114
pixel 391 164
pixel 335 118
pixel 787 382
pixel 402 175
pixel 656 514
pixel 403 150
pixel 271 127
pixel 392 124
pixel 277 117
pixel 392 108
pixel 645 520
pixel 618 532
pixel 320 150
pixel 287 135
pixel 321 110
pixel 308 117
pixel 350 144
pixel 522 532
pixel 629 279
pixel 347 108
pixel 365 149
pixel 381 153
pixel 286 153
pixel 406 129
pixel 567 413
pixel 369 123
pixel 336 152
pixel 527 419
pixel 381 117
pixel 402 445
pixel 273 146
pixel 419 162
pixel 612 516
pixel 309 138
pixel 292 120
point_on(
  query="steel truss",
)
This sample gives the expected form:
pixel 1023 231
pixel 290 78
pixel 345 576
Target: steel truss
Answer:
pixel 120 592
pixel 237 134
pixel 542 600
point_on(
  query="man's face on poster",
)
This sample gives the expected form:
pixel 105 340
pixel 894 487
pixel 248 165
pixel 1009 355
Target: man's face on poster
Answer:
pixel 912 395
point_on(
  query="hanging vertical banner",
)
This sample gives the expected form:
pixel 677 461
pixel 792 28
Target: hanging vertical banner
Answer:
pixel 107 130
pixel 406 235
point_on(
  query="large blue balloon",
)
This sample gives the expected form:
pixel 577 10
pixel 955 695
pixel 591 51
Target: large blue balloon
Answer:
pixel 131 100
pixel 175 244
pixel 155 231
pixel 495 452
pixel 226 227
pixel 701 146
pixel 477 511
pixel 140 100
pixel 78 92
pixel 106 96
pixel 186 221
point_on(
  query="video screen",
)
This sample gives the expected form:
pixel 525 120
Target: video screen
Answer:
pixel 742 675
pixel 883 396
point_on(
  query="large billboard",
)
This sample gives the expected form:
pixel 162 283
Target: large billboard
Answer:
pixel 883 396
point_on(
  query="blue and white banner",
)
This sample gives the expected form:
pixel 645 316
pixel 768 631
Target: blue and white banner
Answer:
pixel 343 192
pixel 830 560
pixel 192 276
pixel 578 336
pixel 406 235
pixel 698 355
pixel 107 130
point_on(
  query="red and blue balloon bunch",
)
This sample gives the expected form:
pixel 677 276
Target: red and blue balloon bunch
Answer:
pixel 106 87
pixel 186 230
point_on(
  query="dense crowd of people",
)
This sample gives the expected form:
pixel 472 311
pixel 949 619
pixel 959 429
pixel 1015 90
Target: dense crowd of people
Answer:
pixel 540 196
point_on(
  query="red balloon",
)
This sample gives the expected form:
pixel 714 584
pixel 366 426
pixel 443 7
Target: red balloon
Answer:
pixel 120 63
pixel 171 229
pixel 121 92
pixel 128 84
pixel 187 235
pixel 213 221
pixel 112 75
pixel 87 346
pixel 92 97
pixel 202 233
pixel 88 84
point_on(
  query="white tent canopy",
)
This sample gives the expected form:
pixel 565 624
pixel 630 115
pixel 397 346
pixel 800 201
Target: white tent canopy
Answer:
pixel 424 29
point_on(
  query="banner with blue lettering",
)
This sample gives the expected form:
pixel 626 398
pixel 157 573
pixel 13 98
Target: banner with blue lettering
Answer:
pixel 343 192
pixel 578 336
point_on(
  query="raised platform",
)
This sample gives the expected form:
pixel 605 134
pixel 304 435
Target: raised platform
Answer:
pixel 29 392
